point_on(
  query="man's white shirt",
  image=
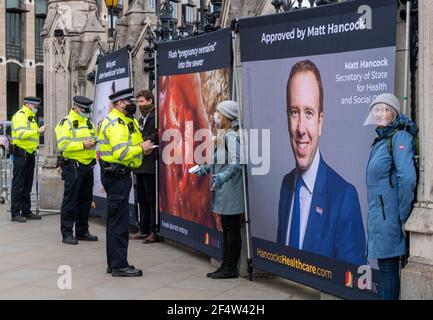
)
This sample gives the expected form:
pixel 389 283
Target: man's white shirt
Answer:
pixel 305 197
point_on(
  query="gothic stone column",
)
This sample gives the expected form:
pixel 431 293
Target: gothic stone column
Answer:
pixel 74 18
pixel 28 72
pixel 56 100
pixel 417 276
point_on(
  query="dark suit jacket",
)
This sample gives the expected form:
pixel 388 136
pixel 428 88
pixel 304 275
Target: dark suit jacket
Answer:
pixel 334 227
pixel 149 133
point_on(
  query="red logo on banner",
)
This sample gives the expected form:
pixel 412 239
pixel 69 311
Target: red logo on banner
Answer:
pixel 349 279
pixel 210 241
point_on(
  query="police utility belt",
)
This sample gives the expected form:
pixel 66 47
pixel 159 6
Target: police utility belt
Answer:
pixel 115 169
pixel 19 152
pixel 65 162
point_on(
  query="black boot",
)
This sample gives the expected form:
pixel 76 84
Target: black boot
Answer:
pixel 18 219
pixel 210 274
pixel 110 269
pixel 32 216
pixel 70 240
pixel 86 237
pixel 226 273
pixel 129 271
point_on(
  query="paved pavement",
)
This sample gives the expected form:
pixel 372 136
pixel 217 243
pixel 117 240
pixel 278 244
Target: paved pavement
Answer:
pixel 31 253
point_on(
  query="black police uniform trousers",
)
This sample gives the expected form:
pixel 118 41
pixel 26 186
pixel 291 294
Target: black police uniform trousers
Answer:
pixel 146 194
pixel 22 182
pixel 118 189
pixel 77 198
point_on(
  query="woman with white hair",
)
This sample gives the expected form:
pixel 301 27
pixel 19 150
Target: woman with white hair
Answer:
pixel 391 183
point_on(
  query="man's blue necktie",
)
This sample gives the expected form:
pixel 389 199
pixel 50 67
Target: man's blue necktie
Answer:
pixel 296 216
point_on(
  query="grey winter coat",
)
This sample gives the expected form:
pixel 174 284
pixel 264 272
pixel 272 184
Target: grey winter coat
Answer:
pixel 229 199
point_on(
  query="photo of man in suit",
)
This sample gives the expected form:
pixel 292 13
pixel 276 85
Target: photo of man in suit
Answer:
pixel 318 210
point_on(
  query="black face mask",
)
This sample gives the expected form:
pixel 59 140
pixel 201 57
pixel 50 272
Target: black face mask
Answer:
pixel 131 109
pixel 146 109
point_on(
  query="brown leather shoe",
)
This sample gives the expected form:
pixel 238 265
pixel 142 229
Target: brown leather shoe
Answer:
pixel 151 238
pixel 138 236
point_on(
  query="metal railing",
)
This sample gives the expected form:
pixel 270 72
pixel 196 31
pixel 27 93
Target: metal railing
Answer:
pixel 6 172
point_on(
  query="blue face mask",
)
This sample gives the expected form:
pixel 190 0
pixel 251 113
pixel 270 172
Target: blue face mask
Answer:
pixel 81 113
pixel 217 120
pixel 84 115
pixel 34 110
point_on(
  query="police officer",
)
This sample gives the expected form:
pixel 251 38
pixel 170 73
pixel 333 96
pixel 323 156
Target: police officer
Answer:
pixel 76 140
pixel 25 141
pixel 122 148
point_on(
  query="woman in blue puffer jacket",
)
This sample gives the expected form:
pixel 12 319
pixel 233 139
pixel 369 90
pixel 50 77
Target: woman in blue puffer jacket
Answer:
pixel 391 183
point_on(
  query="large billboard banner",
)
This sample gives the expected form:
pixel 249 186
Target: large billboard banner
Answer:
pixel 194 76
pixel 308 78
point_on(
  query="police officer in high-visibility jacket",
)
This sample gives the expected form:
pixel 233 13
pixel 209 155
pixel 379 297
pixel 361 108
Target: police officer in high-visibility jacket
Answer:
pixel 76 140
pixel 25 141
pixel 121 146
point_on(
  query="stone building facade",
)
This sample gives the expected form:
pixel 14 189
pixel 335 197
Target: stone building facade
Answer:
pixel 74 34
pixel 21 49
pixel 70 56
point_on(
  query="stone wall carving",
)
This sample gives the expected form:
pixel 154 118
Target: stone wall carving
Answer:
pixel 64 22
pixel 68 58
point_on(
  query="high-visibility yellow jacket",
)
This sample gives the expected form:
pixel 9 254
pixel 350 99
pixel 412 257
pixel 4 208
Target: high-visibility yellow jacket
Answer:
pixel 25 130
pixel 119 140
pixel 71 132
